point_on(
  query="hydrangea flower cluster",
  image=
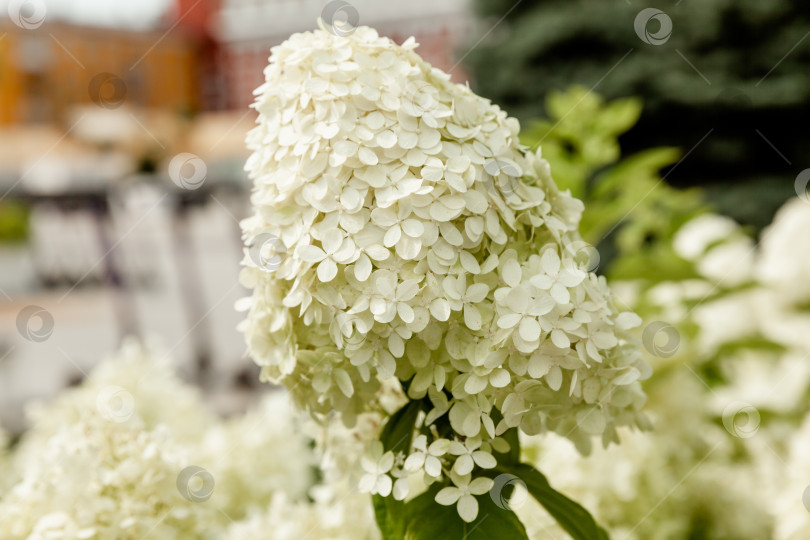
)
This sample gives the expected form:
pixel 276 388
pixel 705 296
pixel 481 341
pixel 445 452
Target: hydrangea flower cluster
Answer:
pixel 81 472
pixel 403 235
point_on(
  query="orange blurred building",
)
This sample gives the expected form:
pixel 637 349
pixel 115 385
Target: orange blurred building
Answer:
pixel 43 72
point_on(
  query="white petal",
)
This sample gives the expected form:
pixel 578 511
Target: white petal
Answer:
pixel 481 485
pixel 362 268
pixel 499 378
pixel 433 467
pixel 472 317
pixel 554 378
pixel 413 228
pixel 392 236
pixel 477 292
pixel 415 461
pixel 464 464
pixel 467 508
pixel 560 294
pixel 367 482
pixel 344 382
pixel 485 460
pixel 440 309
pixel 311 254
pixel 560 339
pixel 327 270
pixel 529 329
pixel 448 496
pixel 332 240
pixel 405 312
pixel 512 273
pixel 627 320
pixel 550 262
pixel 384 485
pixel 475 384
pixel 510 320
pixel 367 156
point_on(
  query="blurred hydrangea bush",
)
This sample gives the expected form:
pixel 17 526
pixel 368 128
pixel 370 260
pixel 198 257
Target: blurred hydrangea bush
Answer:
pixel 133 452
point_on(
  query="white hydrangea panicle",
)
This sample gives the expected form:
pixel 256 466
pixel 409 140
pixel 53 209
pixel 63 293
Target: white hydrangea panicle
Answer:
pixel 422 244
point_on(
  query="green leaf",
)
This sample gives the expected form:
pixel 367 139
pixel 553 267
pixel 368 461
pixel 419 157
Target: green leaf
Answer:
pixel 571 516
pixel 397 434
pixel 389 514
pixel 428 520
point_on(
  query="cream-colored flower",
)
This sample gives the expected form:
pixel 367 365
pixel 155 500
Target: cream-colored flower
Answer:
pixel 425 247
pixel 463 493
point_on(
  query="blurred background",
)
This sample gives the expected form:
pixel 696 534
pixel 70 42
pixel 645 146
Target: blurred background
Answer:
pixel 122 129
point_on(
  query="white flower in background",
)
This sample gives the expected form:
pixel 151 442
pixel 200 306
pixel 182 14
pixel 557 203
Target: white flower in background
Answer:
pixel 686 468
pixel 135 383
pixel 722 253
pixel 81 472
pixel 789 503
pixel 423 245
pixel 102 479
pixel 784 259
pixel 377 467
pixel 335 514
pixel 258 455
pixel 698 234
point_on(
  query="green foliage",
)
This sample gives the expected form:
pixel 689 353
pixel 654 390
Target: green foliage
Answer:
pixel 753 54
pixel 626 198
pixel 425 519
pixel 571 516
pixel 13 221
pixel 422 518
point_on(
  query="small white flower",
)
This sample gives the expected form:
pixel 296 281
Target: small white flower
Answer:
pixel 557 278
pixel 469 454
pixel 377 466
pixel 427 457
pixel 337 249
pixel 463 495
